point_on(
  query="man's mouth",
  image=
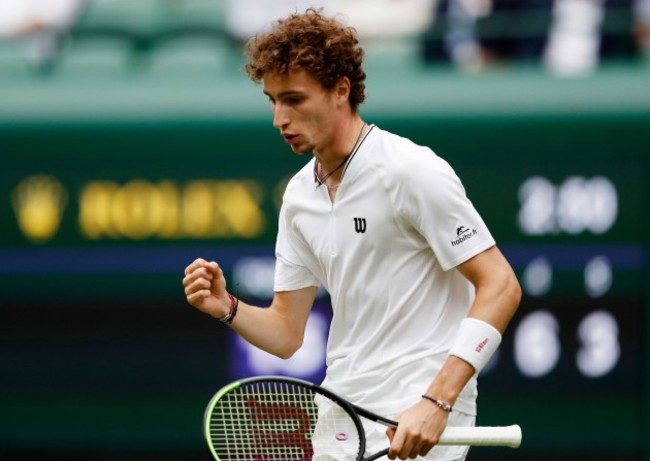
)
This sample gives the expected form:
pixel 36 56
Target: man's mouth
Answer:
pixel 290 138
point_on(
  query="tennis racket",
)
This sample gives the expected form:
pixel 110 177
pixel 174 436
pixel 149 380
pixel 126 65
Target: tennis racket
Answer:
pixel 273 418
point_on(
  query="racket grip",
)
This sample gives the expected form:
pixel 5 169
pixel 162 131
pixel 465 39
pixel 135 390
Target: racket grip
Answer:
pixel 485 436
pixel 481 436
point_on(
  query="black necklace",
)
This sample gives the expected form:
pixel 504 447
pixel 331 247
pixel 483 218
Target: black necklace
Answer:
pixel 320 181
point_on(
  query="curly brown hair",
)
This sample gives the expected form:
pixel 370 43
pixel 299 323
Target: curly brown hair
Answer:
pixel 321 46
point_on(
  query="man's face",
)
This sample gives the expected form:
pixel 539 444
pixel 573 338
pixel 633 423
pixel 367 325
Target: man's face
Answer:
pixel 303 111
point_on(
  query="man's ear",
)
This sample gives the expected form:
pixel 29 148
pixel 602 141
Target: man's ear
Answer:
pixel 342 89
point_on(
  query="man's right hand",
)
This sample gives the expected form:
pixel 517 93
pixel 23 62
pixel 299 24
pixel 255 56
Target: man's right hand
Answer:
pixel 205 288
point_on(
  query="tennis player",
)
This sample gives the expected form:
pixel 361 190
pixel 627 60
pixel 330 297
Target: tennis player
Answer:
pixel 420 292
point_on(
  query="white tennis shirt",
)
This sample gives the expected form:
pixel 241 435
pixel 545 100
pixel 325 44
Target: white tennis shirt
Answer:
pixel 385 250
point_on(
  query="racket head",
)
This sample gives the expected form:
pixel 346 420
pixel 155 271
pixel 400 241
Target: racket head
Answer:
pixel 274 418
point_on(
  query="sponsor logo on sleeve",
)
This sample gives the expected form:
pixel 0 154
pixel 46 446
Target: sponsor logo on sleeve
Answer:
pixel 462 234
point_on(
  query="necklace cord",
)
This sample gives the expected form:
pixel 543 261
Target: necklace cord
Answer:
pixel 320 181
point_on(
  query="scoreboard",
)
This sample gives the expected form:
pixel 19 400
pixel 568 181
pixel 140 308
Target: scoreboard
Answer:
pixel 99 220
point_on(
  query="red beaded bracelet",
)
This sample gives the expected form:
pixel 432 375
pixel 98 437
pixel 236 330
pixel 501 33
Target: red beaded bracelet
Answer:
pixel 234 303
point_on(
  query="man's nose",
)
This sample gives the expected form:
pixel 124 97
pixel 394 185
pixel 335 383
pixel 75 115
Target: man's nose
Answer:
pixel 280 118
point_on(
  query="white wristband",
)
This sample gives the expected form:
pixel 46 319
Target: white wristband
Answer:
pixel 476 342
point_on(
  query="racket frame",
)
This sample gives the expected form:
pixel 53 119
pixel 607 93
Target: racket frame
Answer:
pixel 449 436
pixel 352 410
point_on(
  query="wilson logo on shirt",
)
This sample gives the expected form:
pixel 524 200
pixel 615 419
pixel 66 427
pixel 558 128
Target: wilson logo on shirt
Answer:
pixel 462 234
pixel 360 225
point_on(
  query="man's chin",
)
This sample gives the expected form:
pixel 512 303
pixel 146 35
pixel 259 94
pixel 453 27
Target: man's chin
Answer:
pixel 300 150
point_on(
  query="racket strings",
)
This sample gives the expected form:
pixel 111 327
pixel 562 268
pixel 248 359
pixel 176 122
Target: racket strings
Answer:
pixel 279 421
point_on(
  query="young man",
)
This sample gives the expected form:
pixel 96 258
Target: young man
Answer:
pixel 420 293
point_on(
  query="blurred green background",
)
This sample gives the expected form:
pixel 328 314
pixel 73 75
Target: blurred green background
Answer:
pixel 132 143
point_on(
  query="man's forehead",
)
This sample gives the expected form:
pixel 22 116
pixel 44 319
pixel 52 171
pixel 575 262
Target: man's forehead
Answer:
pixel 292 82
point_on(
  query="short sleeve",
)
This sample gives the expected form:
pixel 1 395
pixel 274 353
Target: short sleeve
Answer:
pixel 433 199
pixel 290 272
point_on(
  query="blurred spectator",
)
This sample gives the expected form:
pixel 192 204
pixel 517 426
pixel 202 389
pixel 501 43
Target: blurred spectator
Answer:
pixel 587 32
pixel 642 26
pixel 574 39
pixel 523 25
pixel 387 19
pixel 41 22
pixel 25 17
pixel 460 39
pixel 475 33
pixel 373 19
pixel 248 17
pixel 570 37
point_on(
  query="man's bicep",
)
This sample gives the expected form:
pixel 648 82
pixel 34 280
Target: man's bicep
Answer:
pixel 482 267
pixel 497 289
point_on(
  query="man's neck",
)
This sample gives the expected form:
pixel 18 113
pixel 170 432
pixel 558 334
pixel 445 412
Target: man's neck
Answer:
pixel 345 138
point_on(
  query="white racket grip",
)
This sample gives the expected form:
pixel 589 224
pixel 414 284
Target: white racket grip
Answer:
pixel 483 436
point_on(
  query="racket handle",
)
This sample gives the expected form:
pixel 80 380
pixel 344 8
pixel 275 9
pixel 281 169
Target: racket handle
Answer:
pixel 479 436
pixel 485 436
